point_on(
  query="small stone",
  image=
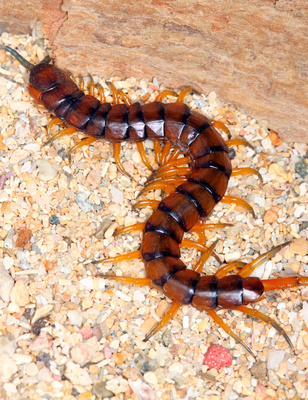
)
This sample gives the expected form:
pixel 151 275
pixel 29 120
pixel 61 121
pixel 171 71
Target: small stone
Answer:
pixel 8 344
pixel 24 235
pixel 18 156
pixel 42 312
pixel 54 220
pixel 47 172
pixel 275 139
pixel 20 105
pixel 77 375
pixel 117 195
pixel 31 369
pixel 86 333
pixel 150 377
pixel 6 284
pixel 94 178
pixel 75 317
pixel 274 358
pixel 99 390
pixel 298 246
pixel 8 368
pixel 278 172
pixel 233 256
pixel 84 352
pixel 176 367
pixel 83 202
pixel 271 215
pixel 19 294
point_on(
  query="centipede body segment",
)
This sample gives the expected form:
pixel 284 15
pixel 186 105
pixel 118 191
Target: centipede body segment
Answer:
pixel 193 191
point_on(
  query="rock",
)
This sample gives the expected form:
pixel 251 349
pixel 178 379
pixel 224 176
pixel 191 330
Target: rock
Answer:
pixel 6 284
pixel 19 294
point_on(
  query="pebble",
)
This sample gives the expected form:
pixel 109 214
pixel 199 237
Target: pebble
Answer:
pixel 20 105
pixel 117 195
pixel 46 171
pixel 6 284
pixel 274 358
pixel 233 256
pixel 8 344
pixel 84 203
pixel 278 172
pixel 100 390
pixel 18 155
pixel 32 369
pixel 75 317
pixel 150 377
pixel 94 178
pixel 77 375
pixel 8 368
pixel 84 352
pixel 20 294
pixel 41 313
pixel 176 367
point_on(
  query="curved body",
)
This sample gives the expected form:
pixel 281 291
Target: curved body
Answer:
pixel 211 168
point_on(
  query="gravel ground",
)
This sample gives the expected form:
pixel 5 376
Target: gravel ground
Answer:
pixel 67 333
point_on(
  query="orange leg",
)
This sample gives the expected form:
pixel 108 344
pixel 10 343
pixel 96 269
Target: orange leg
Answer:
pixel 91 86
pixel 116 154
pixel 146 203
pixel 257 314
pixel 182 94
pixel 228 268
pixel 157 151
pixel 84 142
pixel 238 202
pixel 246 171
pixel 160 172
pixel 168 185
pixel 165 153
pixel 249 268
pixel 164 94
pixel 101 92
pixel 237 142
pixel 64 132
pixel 225 327
pixel 124 257
pixel 143 156
pixel 220 125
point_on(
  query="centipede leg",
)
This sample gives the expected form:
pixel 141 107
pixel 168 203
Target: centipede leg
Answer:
pixel 249 268
pixel 183 94
pixel 84 142
pixel 238 202
pixel 246 171
pixel 164 321
pixel 146 203
pixel 171 165
pixel 140 147
pixel 91 85
pixel 64 132
pixel 220 125
pixel 101 93
pixel 127 279
pixel 237 142
pixel 116 154
pixel 124 257
pixel 131 228
pixel 157 151
pixel 164 94
pixel 257 314
pixel 225 327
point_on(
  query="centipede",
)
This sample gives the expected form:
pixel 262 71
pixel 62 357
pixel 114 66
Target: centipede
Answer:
pixel 194 178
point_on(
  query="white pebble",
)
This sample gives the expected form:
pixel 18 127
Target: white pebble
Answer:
pixel 299 211
pixel 117 195
pixel 31 369
pixel 22 358
pixel 185 322
pixel 150 377
pixel 123 296
pixel 75 317
pixel 176 367
pixel 115 344
pixel 46 171
pixel 274 358
pixel 138 296
pixel 20 105
pixel 6 284
pixel 7 344
pixel 233 256
pixel 87 283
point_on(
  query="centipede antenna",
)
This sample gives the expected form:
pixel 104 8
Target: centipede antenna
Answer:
pixel 18 57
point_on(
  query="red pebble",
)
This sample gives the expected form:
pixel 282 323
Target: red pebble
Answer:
pixel 217 357
pixel 86 333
